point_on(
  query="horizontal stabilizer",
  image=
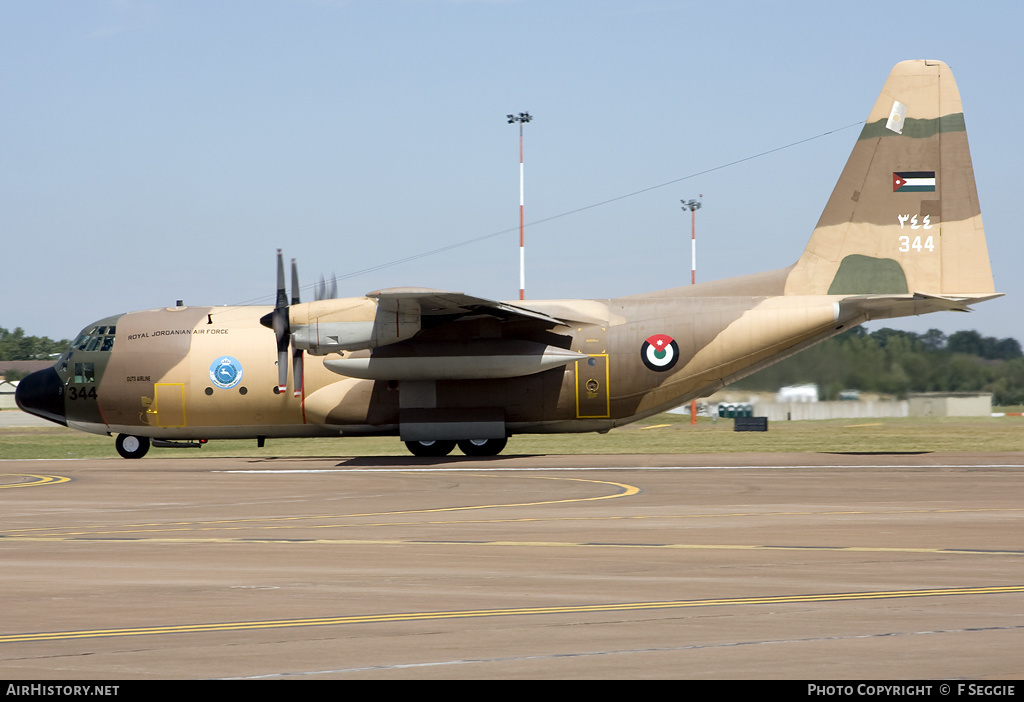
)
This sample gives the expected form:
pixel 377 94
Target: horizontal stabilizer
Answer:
pixel 887 306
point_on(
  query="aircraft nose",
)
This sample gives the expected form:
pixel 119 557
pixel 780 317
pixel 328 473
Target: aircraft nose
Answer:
pixel 42 394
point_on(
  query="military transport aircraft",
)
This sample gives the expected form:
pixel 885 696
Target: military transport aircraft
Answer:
pixel 900 235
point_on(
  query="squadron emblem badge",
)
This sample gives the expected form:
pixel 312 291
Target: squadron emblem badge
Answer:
pixel 226 372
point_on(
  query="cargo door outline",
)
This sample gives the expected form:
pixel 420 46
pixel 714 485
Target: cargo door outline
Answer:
pixel 169 404
pixel 592 398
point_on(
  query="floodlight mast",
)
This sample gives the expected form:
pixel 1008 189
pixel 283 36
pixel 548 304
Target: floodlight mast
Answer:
pixel 693 206
pixel 522 118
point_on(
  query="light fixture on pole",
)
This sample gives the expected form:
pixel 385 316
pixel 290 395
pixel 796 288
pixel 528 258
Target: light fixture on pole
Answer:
pixel 522 118
pixel 693 206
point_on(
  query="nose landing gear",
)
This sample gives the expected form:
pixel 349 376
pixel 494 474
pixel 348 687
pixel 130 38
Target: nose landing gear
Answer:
pixel 131 446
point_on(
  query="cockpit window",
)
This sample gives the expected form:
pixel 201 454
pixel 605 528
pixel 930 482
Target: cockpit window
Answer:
pixel 99 338
pixel 85 372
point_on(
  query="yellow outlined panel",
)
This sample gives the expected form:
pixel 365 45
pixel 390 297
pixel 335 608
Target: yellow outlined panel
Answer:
pixel 593 400
pixel 170 404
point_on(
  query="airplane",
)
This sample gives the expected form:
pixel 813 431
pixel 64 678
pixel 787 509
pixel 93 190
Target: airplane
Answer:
pixel 900 235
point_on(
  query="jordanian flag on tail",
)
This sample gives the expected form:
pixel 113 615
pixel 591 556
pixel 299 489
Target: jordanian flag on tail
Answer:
pixel 913 182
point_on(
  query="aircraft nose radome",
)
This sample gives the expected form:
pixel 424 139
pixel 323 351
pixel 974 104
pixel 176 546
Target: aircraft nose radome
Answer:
pixel 42 394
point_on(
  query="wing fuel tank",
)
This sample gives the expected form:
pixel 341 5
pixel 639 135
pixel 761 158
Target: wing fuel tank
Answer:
pixel 474 360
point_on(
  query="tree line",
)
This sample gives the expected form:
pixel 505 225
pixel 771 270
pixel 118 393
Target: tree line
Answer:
pixel 16 346
pixel 898 362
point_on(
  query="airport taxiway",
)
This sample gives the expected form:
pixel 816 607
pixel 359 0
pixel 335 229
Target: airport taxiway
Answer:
pixel 809 566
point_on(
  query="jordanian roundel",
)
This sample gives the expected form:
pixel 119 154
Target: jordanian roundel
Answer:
pixel 660 352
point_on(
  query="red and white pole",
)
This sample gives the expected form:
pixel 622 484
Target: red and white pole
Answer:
pixel 693 206
pixel 522 222
pixel 522 118
pixel 693 247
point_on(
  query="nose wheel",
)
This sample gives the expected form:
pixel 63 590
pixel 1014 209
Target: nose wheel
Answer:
pixel 131 446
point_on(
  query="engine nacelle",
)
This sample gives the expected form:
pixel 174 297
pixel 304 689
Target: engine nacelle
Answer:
pixel 352 324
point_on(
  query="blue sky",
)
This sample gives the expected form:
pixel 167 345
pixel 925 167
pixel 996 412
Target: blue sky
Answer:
pixel 155 150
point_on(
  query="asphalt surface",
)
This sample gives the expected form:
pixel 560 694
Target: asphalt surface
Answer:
pixel 811 566
pixel 17 418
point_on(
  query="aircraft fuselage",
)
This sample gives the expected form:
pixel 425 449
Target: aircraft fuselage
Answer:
pixel 211 372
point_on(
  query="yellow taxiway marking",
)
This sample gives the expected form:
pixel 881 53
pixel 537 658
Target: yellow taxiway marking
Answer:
pixel 515 611
pixel 34 480
pixel 532 544
pixel 302 522
pixel 623 490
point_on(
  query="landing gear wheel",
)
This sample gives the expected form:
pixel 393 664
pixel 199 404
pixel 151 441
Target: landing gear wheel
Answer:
pixel 482 447
pixel 131 446
pixel 430 449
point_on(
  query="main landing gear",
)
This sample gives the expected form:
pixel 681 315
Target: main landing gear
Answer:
pixel 131 446
pixel 470 447
pixel 482 447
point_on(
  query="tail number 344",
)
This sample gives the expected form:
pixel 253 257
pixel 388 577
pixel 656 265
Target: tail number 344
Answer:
pixel 908 244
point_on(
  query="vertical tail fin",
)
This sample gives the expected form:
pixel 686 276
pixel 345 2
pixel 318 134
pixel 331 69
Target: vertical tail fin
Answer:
pixel 904 216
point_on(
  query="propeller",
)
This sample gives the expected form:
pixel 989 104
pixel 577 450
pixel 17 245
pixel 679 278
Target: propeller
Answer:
pixel 297 370
pixel 327 290
pixel 278 320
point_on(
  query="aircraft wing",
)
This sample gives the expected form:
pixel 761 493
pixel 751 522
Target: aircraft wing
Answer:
pixel 389 351
pixel 447 306
pixel 385 317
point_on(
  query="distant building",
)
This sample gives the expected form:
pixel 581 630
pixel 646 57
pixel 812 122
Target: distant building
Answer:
pixel 950 404
pixel 931 404
pixel 797 393
pixel 23 367
pixel 7 388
